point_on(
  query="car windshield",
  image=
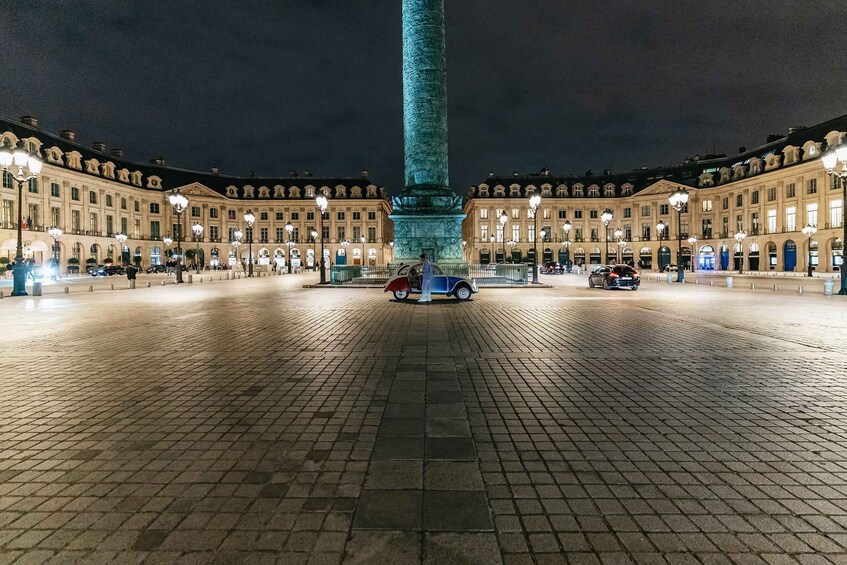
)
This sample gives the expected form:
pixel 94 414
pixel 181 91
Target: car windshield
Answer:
pixel 624 270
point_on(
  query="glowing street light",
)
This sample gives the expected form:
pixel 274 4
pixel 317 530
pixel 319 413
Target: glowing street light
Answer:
pixel 198 233
pixel 28 167
pixel 678 200
pixel 809 231
pixel 323 203
pixel 179 203
pixel 290 229
pixel 830 160
pixel 739 237
pixel 535 204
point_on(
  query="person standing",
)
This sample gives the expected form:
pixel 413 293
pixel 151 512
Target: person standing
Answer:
pixel 426 279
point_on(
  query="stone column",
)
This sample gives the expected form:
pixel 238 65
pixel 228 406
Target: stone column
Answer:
pixel 425 93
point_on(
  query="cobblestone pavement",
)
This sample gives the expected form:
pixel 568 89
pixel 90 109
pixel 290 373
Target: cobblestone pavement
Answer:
pixel 254 421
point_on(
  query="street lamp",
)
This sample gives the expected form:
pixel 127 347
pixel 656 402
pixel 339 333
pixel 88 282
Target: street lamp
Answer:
pixel 621 245
pixel 344 245
pixel 830 160
pixel 55 233
pixel 250 219
pixel 503 219
pixel 29 166
pixel 289 228
pixel 618 235
pixel 692 239
pixel 678 200
pixel 391 243
pixel 739 237
pixel 236 242
pixel 314 234
pixel 198 232
pixel 809 231
pixel 362 239
pixel 491 241
pixel 606 218
pixel 179 203
pixel 535 203
pixel 511 244
pixel 121 240
pixel 322 203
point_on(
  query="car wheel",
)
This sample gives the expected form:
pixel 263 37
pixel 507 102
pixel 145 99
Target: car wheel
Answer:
pixel 463 293
pixel 590 283
pixel 401 294
pixel 635 288
pixel 605 284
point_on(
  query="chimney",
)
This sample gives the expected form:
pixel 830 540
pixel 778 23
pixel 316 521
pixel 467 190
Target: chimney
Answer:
pixel 216 171
pixel 364 173
pixel 160 160
pixel 307 173
pixel 99 146
pixel 795 129
pixel 292 173
pixel 30 121
pixel 67 134
pixel 119 153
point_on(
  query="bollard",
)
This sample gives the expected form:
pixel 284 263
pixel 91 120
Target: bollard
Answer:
pixel 670 277
pixel 1 295
pixel 227 276
pixel 67 290
pixel 827 287
pixel 800 289
pixel 111 287
pixel 696 282
pixel 148 284
pixel 91 288
pixel 36 289
pixel 711 283
pixel 728 282
pixel 775 288
pixel 752 286
pixel 163 283
pixel 130 284
pixel 190 279
pixel 201 279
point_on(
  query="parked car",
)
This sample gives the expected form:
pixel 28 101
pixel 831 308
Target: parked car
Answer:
pixel 106 271
pixel 407 281
pixel 551 268
pixel 614 276
pixel 156 269
pixel 670 268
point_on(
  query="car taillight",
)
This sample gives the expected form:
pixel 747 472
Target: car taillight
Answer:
pixel 613 276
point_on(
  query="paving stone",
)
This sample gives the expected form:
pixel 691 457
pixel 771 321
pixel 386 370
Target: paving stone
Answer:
pixel 460 549
pixel 395 475
pixel 397 548
pixel 389 510
pixel 452 475
pixel 455 511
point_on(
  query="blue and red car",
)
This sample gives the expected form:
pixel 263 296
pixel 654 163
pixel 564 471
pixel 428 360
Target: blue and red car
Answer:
pixel 407 280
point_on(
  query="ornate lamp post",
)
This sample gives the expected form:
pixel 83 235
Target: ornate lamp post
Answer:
pixel 692 239
pixel 606 218
pixel 344 245
pixel 289 228
pixel 314 234
pixel 511 244
pixel 678 200
pixel 535 204
pixel 179 203
pixel 236 243
pixel 503 219
pixel 391 243
pixel 621 245
pixel 323 203
pixel 809 231
pixel 55 233
pixel 28 167
pixel 122 241
pixel 830 160
pixel 618 235
pixel 249 219
pixel 491 241
pixel 739 237
pixel 464 244
pixel 198 233
pixel 362 239
pixel 567 227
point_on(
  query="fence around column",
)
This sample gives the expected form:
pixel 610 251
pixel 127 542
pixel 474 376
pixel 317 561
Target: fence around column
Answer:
pixel 506 274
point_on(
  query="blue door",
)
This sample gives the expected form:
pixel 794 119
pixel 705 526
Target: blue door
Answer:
pixel 340 258
pixel 564 256
pixel 664 257
pixel 789 255
pixel 724 258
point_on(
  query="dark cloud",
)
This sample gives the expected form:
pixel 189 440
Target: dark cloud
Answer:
pixel 274 86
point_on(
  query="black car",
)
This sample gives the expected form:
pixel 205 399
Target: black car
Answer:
pixel 156 269
pixel 614 276
pixel 107 271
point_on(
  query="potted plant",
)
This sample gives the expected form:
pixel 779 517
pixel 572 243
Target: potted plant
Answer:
pixel 3 262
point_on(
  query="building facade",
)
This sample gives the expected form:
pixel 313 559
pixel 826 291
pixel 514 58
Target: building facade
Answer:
pixel 92 195
pixel 770 193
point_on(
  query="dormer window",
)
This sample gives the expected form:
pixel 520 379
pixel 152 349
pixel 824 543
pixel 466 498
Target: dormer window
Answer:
pixel 561 190
pixel 264 192
pixel 578 190
pixel 154 182
pixel 499 190
pixel 279 191
pixel 609 190
pixel 74 159
pixel 515 190
pixel 135 178
pixel 55 155
pixel 109 170
pixel 232 191
pixel 706 179
pixel 294 192
pixel 310 191
pixel 811 150
pixel 123 175
pixel 371 191
pixel 626 189
pixel 593 191
pixel 356 192
pixel 92 166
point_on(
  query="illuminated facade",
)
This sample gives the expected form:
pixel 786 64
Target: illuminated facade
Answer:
pixel 92 195
pixel 770 193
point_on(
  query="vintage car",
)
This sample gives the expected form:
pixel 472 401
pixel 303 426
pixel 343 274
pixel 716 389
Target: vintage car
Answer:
pixel 407 280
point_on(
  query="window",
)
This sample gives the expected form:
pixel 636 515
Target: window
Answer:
pixel 92 197
pixel 683 229
pixel 835 182
pixel 372 215
pixel 483 233
pixel 754 197
pixel 645 211
pixel 739 222
pixel 154 207
pixel 76 221
pixel 33 185
pixel 279 216
pixel 371 234
pixel 54 189
pixel 772 194
pixel 791 219
pixel 263 235
pixel 812 187
pixel 593 214
pixel 627 213
pixel 483 213
pixel 578 234
pixel 154 230
pixel 279 235
pixel 725 202
pixel 594 235
pixel 812 214
pixel 627 232
pixel 835 213
pixel 56 216
pixel 92 222
pixel 230 214
pixel 213 233
pixel 213 212
pixel 123 203
pixel 530 214
pixel 137 228
pixel 341 217
pixel 109 200
pixel 790 190
pixel 195 211
pixel 754 223
pixel 516 213
pixel 499 229
pixel 563 214
pixel 8 180
pixel 706 205
pixel 110 225
pixel 530 233
pixel 124 226
pixel 310 216
pixel 341 233
pixel 357 215
pixel 325 233
pixel 545 214
pixel 136 206
pixel 739 200
pixel 7 213
pixel 32 217
pixel 645 232
pixel 577 214
pixel 516 233
pixel 725 227
pixel 663 209
pixel 772 221
pixel 263 215
pixel 706 228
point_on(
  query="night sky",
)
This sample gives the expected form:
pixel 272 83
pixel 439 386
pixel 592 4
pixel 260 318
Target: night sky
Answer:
pixel 316 84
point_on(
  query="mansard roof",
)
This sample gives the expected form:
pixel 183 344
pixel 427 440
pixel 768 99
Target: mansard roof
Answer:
pixel 160 177
pixel 800 144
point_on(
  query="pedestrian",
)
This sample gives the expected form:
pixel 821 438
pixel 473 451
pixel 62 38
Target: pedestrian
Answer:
pixel 30 268
pixel 426 279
